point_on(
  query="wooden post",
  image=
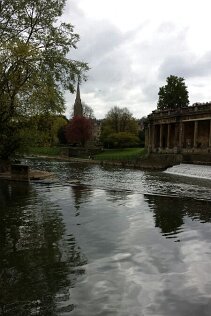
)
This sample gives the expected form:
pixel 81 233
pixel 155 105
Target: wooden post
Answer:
pixel 20 172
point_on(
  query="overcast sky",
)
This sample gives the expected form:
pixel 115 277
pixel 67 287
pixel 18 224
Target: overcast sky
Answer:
pixel 131 47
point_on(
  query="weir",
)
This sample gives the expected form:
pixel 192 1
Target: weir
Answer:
pixel 191 170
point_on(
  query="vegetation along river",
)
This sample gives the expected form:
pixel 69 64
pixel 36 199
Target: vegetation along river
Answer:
pixel 105 241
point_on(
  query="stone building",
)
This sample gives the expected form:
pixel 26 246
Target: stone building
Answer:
pixel 183 130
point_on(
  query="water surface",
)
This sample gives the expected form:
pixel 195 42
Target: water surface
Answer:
pixel 105 241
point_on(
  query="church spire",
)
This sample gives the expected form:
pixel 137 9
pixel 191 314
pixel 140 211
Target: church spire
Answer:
pixel 78 108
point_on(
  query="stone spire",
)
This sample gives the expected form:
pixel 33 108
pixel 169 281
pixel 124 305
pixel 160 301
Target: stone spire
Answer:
pixel 78 108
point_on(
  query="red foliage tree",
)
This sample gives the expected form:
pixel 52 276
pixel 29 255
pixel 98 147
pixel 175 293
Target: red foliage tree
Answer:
pixel 79 130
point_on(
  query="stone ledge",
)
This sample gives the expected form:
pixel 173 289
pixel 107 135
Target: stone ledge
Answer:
pixel 33 175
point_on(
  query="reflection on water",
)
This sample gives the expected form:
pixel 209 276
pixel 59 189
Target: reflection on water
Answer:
pixel 169 213
pixel 37 266
pixel 105 241
pixel 80 194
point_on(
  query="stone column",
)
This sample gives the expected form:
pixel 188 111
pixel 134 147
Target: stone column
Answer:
pixel 161 135
pixel 210 135
pixel 169 135
pixel 181 134
pixel 153 137
pixel 176 135
pixel 146 141
pixel 195 134
pixel 149 138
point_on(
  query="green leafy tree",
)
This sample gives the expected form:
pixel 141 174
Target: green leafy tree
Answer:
pixel 88 111
pixel 119 126
pixel 174 94
pixel 122 140
pixel 141 132
pixel 35 68
pixel 42 130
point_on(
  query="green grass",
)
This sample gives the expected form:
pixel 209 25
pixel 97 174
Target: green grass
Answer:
pixel 121 154
pixel 108 154
pixel 44 151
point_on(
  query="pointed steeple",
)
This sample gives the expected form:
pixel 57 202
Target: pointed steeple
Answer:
pixel 78 108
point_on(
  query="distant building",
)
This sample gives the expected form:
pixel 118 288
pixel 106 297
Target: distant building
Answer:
pixel 78 108
pixel 78 111
pixel 184 130
pixel 96 129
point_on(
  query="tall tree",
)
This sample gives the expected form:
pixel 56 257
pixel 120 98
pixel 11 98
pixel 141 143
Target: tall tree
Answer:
pixel 88 111
pixel 34 64
pixel 119 124
pixel 174 94
pixel 120 120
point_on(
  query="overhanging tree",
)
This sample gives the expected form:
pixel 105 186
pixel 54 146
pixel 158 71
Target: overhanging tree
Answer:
pixel 174 94
pixel 34 65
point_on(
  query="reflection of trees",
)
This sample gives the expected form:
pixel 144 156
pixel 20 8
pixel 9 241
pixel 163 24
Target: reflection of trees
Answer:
pixel 80 195
pixel 169 212
pixel 199 210
pixel 37 265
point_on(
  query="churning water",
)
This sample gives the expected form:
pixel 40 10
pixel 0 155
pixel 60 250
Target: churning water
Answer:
pixel 105 241
pixel 190 170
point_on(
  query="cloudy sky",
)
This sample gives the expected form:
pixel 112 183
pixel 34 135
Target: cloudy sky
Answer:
pixel 131 47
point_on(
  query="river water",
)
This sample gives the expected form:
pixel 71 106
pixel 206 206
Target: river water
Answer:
pixel 105 241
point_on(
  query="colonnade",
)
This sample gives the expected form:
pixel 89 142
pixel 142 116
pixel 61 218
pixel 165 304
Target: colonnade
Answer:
pixel 180 135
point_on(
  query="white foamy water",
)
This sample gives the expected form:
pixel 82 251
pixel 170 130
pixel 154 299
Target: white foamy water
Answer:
pixel 190 170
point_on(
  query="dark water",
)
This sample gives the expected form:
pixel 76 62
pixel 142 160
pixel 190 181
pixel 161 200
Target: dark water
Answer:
pixel 103 241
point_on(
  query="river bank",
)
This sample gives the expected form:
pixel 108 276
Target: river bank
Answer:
pixel 141 164
pixel 33 175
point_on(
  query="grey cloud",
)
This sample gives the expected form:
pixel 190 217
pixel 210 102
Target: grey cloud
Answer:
pixel 157 47
pixel 72 8
pixel 127 69
pixel 109 52
pixel 186 66
pixel 151 92
pixel 166 27
pixel 98 41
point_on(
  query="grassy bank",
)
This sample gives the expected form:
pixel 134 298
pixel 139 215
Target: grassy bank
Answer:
pixel 125 154
pixel 44 151
pixel 121 154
